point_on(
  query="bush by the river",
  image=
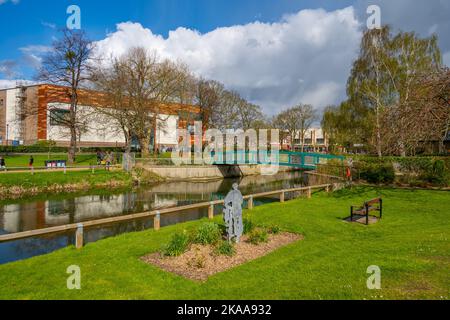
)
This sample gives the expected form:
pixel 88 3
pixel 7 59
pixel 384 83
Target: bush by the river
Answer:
pixel 414 171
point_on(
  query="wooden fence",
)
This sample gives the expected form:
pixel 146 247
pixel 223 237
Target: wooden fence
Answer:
pixel 156 214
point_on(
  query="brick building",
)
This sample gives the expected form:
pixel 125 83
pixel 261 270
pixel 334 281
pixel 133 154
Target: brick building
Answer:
pixel 28 114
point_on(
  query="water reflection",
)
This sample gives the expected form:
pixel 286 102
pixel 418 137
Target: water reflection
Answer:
pixel 54 211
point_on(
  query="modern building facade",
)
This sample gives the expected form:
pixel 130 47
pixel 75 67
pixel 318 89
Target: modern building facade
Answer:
pixel 28 113
pixel 314 141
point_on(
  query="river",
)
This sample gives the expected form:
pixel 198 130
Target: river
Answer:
pixel 53 210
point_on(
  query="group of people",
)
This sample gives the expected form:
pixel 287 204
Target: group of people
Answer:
pixel 105 159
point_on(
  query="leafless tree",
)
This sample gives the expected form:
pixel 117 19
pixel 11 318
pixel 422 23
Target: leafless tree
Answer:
pixel 138 88
pixel 306 115
pixel 68 64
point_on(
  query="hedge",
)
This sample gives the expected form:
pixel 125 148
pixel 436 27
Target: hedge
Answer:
pixel 414 170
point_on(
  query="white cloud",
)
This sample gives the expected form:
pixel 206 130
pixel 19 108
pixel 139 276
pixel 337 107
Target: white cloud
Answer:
pixel 32 54
pixel 7 84
pixel 305 57
pixel 48 24
pixel 12 1
pixel 8 68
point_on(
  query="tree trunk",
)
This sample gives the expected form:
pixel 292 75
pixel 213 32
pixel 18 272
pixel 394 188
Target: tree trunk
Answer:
pixel 73 127
pixel 145 144
pixel 378 132
pixel 73 145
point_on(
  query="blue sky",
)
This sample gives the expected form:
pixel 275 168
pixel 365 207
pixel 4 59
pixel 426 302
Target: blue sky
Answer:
pixel 275 53
pixel 32 22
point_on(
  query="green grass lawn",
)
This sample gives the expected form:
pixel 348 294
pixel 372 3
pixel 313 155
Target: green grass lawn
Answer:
pixel 411 246
pixel 39 160
pixel 46 179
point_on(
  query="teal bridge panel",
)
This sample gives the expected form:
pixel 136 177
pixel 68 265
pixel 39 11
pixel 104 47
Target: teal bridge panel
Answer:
pixel 305 160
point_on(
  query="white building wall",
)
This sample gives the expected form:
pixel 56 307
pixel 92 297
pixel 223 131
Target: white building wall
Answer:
pixel 101 128
pixel 12 123
pixel 167 130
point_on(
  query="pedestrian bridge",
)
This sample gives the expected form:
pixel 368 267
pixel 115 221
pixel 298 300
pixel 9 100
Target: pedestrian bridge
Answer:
pixel 304 160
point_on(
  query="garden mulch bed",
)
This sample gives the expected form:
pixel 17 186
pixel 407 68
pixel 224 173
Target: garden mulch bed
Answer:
pixel 200 261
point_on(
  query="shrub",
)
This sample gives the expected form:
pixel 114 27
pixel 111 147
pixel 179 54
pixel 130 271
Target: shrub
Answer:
pixel 225 248
pixel 249 226
pixel 378 173
pixel 207 233
pixel 274 229
pixel 258 236
pixel 436 173
pixel 178 244
pixel 198 261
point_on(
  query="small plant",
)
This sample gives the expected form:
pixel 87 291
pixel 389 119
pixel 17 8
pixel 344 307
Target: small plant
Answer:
pixel 258 236
pixel 178 245
pixel 249 226
pixel 207 233
pixel 225 248
pixel 199 261
pixel 274 229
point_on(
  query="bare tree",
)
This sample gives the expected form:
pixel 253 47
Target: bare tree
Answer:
pixel 140 87
pixel 288 124
pixel 305 115
pixel 111 80
pixel 68 64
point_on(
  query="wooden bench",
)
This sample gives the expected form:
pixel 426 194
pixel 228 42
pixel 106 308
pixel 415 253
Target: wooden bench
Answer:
pixel 371 205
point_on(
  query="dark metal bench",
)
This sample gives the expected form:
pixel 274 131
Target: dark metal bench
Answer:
pixel 371 205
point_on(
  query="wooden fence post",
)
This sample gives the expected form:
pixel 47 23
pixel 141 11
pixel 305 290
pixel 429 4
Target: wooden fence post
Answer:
pixel 211 211
pixel 282 196
pixel 157 221
pixel 79 236
pixel 250 203
pixel 308 193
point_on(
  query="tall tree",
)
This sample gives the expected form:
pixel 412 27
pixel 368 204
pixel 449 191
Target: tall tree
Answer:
pixel 151 84
pixel 387 66
pixel 68 64
pixel 116 112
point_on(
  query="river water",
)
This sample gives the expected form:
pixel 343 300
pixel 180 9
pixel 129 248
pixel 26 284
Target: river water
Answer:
pixel 53 210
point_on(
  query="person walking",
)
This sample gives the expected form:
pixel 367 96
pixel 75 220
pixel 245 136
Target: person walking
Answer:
pixel 99 157
pixel 109 160
pixel 2 163
pixel 30 164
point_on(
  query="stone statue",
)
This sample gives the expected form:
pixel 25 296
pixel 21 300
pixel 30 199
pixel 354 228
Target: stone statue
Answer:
pixel 232 214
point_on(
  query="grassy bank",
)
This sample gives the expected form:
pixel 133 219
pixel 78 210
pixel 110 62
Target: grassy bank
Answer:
pixel 411 246
pixel 15 185
pixel 21 160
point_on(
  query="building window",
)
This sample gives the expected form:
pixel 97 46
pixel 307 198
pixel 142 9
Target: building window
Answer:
pixel 320 141
pixel 1 102
pixel 308 141
pixel 58 117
